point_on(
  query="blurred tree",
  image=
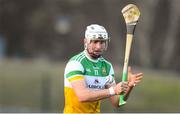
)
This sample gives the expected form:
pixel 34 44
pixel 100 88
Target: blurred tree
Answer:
pixel 55 29
pixel 13 17
pixel 170 40
pixel 144 29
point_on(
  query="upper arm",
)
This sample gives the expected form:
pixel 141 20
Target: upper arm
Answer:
pixel 80 89
pixel 74 75
pixel 74 71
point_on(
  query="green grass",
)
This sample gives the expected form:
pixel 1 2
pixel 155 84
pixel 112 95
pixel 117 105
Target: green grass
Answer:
pixel 37 86
pixel 158 92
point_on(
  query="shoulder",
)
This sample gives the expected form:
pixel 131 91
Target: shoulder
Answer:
pixel 74 64
pixel 108 65
pixel 79 57
pixel 106 61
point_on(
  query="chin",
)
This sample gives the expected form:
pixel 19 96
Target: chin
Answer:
pixel 94 56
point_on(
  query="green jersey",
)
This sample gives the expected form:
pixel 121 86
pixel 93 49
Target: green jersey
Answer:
pixel 93 72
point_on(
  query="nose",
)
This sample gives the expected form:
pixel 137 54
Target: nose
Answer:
pixel 98 45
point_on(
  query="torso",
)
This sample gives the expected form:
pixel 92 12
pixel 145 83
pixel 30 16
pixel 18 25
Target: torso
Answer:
pixel 94 74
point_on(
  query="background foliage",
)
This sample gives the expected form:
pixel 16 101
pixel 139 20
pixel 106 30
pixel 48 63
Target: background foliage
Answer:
pixel 43 28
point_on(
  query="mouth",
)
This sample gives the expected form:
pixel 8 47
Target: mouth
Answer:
pixel 98 52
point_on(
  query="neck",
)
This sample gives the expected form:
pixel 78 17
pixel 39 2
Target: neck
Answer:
pixel 90 57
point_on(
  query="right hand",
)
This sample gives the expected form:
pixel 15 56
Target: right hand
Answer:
pixel 121 87
pixel 109 80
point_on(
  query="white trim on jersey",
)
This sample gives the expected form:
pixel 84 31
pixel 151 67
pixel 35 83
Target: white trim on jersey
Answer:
pixel 111 70
pixel 73 66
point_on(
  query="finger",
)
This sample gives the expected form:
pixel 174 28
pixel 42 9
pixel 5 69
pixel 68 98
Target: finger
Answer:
pixel 138 81
pixel 125 86
pixel 139 74
pixel 129 70
pixel 124 83
pixel 122 86
pixel 124 89
pixel 139 78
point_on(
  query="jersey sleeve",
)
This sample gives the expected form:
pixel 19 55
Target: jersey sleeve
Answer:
pixel 112 73
pixel 74 71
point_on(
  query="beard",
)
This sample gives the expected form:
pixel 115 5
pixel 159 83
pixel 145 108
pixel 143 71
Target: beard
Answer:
pixel 94 55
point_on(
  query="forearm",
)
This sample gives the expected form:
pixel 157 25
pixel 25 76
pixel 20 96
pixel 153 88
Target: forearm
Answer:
pixel 115 99
pixel 120 88
pixel 85 94
pixel 128 93
pixel 88 95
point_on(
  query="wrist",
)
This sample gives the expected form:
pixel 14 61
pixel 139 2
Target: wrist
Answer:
pixel 111 91
pixel 131 84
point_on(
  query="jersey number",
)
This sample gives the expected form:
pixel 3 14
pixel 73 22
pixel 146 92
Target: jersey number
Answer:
pixel 96 72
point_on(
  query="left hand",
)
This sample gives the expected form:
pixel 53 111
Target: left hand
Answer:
pixel 134 79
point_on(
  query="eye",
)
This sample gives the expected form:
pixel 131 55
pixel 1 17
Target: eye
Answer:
pixel 102 41
pixel 98 41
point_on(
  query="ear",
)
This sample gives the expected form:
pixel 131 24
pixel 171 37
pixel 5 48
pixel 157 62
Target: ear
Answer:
pixel 106 46
pixel 85 43
pixel 85 40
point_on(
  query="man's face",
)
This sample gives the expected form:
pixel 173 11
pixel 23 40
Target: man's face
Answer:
pixel 96 48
